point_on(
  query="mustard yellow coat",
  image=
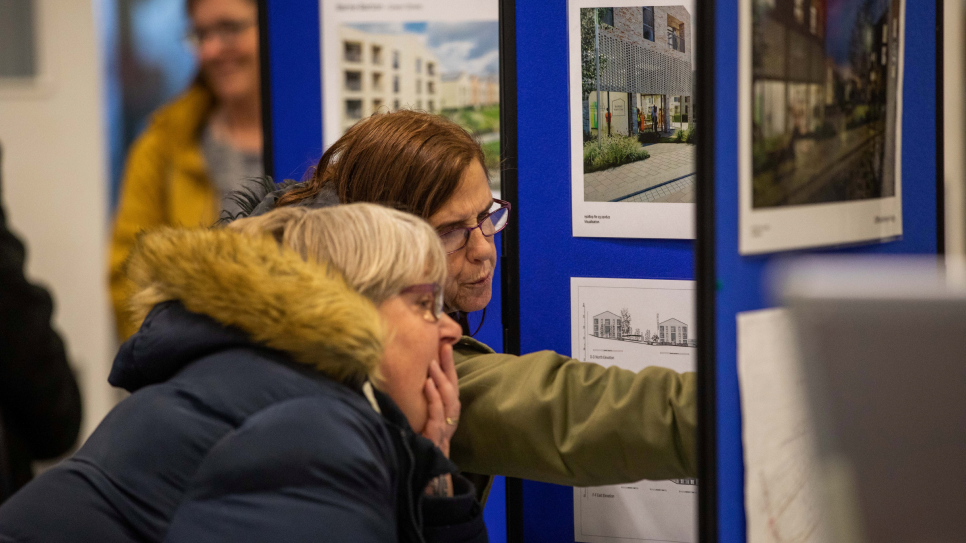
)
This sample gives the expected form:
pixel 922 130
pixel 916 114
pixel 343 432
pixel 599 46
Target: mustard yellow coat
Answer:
pixel 165 184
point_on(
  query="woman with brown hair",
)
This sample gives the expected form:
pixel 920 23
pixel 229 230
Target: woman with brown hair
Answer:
pixel 542 416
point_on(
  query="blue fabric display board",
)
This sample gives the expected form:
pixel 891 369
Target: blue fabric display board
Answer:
pixel 548 254
pixel 291 72
pixel 728 283
pixel 735 283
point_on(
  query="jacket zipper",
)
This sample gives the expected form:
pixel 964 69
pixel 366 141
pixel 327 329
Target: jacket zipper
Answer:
pixel 409 486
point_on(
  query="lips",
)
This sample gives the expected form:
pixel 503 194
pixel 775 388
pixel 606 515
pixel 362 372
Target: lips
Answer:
pixel 482 281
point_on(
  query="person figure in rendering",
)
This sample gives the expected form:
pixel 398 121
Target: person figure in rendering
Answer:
pixel 607 118
pixel 640 120
pixel 654 118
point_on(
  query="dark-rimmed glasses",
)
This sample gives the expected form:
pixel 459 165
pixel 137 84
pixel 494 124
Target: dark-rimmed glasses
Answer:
pixel 428 298
pixel 226 31
pixel 495 220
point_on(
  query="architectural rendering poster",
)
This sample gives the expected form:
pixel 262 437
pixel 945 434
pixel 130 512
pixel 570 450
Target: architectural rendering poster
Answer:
pixel 820 122
pixel 633 324
pixel 632 118
pixel 437 56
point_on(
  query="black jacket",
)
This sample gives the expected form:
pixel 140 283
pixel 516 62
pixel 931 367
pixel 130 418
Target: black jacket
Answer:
pixel 237 428
pixel 40 410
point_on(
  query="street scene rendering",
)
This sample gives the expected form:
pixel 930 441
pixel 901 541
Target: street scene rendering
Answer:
pixel 638 107
pixel 824 100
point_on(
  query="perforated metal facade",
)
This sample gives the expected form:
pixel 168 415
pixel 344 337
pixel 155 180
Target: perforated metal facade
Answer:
pixel 632 68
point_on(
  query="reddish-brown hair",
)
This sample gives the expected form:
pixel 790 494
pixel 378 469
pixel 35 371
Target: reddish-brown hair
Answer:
pixel 408 159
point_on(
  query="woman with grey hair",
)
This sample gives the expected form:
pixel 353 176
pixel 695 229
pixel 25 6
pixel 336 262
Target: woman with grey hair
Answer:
pixel 292 380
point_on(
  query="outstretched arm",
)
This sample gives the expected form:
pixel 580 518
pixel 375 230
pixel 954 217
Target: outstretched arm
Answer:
pixel 548 417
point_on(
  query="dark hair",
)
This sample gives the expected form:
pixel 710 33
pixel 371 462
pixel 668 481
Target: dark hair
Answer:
pixel 409 159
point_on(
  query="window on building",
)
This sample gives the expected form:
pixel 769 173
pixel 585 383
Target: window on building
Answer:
pixel 395 83
pixel 648 23
pixel 675 34
pixel 377 81
pixel 377 55
pixel 430 68
pixel 419 65
pixel 596 326
pixel 430 106
pixel 18 53
pixel 353 51
pixel 684 333
pixel 431 87
pixel 376 104
pixel 353 81
pixel 353 109
pixel 605 16
pixel 395 60
pixel 662 333
pixel 395 105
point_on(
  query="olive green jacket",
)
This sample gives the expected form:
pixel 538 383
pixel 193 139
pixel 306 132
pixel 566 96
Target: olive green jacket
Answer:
pixel 551 418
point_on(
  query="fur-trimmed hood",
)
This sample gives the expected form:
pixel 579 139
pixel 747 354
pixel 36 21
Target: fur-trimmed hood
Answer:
pixel 251 285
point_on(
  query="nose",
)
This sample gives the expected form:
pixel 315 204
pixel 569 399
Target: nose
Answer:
pixel 449 330
pixel 209 48
pixel 479 247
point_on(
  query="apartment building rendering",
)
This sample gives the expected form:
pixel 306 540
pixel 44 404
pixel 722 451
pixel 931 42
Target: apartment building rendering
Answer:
pixel 386 72
pixel 646 64
pixel 461 90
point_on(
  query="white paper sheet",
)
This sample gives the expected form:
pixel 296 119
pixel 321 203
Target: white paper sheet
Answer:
pixel 650 198
pixel 781 470
pixel 628 314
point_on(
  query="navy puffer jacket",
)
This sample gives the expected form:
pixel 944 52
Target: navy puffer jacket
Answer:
pixel 250 418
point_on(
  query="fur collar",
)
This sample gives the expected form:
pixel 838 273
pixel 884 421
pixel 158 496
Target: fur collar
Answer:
pixel 269 293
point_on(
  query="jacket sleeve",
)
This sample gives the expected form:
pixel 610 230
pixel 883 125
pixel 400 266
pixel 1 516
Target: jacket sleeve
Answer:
pixel 38 393
pixel 305 470
pixel 551 418
pixel 140 207
pixel 458 519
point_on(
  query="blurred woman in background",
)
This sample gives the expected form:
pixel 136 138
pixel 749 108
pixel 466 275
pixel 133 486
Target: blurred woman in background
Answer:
pixel 198 148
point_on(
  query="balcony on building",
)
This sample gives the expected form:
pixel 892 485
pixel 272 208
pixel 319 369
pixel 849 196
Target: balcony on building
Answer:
pixel 353 51
pixel 353 81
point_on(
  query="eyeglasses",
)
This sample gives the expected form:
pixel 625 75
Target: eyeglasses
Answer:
pixel 227 31
pixel 495 220
pixel 428 298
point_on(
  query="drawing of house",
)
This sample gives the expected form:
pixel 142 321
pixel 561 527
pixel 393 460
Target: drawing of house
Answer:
pixel 672 332
pixel 607 325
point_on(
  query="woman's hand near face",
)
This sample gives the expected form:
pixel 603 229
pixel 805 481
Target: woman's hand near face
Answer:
pixel 443 398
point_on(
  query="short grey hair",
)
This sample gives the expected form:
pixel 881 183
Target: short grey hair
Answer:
pixel 379 250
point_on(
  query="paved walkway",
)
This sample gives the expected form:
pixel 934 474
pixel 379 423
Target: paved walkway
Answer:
pixel 680 191
pixel 668 161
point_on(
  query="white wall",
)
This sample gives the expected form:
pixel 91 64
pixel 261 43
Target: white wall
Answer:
pixel 55 183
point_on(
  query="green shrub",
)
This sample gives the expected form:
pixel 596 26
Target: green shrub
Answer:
pixel 685 136
pixel 679 118
pixel 612 152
